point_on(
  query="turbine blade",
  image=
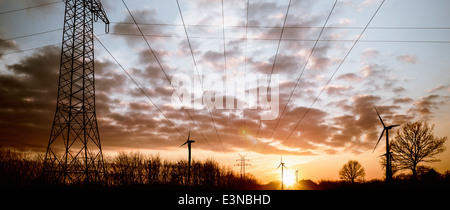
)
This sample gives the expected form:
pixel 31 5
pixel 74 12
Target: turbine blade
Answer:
pixel 189 135
pixel 184 144
pixel 279 166
pixel 378 140
pixel 394 126
pixel 379 116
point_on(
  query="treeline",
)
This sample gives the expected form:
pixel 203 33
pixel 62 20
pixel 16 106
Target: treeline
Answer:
pixel 129 170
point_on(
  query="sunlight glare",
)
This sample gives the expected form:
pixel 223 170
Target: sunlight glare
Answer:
pixel 289 178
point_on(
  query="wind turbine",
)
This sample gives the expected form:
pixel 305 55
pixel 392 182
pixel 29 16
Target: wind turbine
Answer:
pixel 388 153
pixel 282 166
pixel 189 142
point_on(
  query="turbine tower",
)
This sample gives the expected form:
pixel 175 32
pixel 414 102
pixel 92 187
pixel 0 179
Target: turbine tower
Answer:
pixel 74 130
pixel 282 175
pixel 189 142
pixel 388 153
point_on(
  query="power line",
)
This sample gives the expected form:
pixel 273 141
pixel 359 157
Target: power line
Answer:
pixel 245 69
pixel 30 35
pixel 167 77
pixel 29 49
pixel 334 73
pixel 287 39
pixel 283 39
pixel 23 143
pixel 366 41
pixel 32 7
pixel 139 87
pixel 230 38
pixel 201 81
pixel 224 44
pixel 303 70
pixel 293 26
pixel 225 63
pixel 275 60
pixel 305 40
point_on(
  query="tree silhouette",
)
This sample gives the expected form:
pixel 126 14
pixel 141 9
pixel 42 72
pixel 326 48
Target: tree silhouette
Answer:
pixel 352 171
pixel 416 143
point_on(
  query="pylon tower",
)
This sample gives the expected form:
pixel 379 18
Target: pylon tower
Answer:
pixel 74 153
pixel 242 164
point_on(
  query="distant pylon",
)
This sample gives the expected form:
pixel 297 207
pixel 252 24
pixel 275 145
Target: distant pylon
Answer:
pixel 74 129
pixel 242 164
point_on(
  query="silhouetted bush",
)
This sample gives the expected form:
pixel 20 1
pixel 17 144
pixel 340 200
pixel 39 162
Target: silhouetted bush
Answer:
pixel 19 169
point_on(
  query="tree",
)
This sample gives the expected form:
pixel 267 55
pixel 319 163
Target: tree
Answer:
pixel 416 143
pixel 352 171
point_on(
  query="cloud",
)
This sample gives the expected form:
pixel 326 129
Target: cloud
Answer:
pixel 356 130
pixel 28 97
pixel 407 59
pixel 438 88
pixel 7 45
pixel 337 89
pixel 28 101
pixel 425 106
pixel 365 4
pixel 144 17
pixel 345 21
pixel 404 100
pixel 310 132
pixel 370 53
pixel 127 118
pixel 351 77
pixel 321 132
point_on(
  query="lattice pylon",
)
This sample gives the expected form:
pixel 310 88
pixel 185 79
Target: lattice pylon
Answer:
pixel 74 152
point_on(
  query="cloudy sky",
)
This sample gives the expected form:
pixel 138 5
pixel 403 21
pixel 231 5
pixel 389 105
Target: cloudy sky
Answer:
pixel 326 95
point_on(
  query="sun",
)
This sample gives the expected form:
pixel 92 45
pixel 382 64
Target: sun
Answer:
pixel 289 178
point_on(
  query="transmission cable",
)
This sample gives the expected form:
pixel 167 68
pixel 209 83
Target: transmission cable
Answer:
pixel 32 7
pixel 165 74
pixel 275 60
pixel 201 81
pixel 139 87
pixel 334 73
pixel 301 73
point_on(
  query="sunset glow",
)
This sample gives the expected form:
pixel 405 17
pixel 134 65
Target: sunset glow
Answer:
pixel 289 178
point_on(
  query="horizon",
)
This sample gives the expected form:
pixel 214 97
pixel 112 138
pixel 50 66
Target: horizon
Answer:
pixel 400 65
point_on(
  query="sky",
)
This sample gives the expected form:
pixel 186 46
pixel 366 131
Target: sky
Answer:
pixel 400 63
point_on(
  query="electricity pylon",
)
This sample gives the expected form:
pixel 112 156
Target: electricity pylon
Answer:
pixel 242 164
pixel 74 128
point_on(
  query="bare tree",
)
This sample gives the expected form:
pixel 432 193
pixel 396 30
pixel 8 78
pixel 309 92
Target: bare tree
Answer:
pixel 352 171
pixel 416 143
